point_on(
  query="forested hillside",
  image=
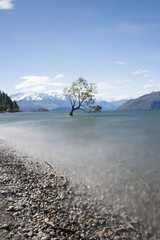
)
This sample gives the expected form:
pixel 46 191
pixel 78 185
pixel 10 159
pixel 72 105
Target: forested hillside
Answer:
pixel 146 102
pixel 6 104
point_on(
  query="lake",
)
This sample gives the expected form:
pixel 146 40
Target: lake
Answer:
pixel 117 153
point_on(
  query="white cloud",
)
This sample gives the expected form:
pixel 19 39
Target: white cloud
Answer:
pixel 127 80
pixel 103 96
pixel 35 89
pixel 6 4
pixel 141 93
pixel 151 80
pixel 149 85
pixel 59 76
pixel 123 81
pixel 118 81
pixel 104 86
pixel 39 83
pixel 109 98
pixel 147 75
pixel 123 96
pixel 31 81
pixel 140 71
pixel 121 63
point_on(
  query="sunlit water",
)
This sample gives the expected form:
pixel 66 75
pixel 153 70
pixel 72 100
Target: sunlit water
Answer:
pixel 116 152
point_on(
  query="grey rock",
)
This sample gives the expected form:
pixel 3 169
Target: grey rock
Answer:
pixel 5 226
pixel 11 209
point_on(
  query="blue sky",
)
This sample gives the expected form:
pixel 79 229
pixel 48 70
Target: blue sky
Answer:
pixel 47 44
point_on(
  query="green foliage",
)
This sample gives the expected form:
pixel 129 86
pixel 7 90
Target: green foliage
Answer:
pixel 6 103
pixel 97 108
pixel 82 96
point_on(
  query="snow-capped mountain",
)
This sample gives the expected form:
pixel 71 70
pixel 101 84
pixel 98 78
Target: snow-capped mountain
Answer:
pixel 54 102
pixel 34 101
pixel 36 96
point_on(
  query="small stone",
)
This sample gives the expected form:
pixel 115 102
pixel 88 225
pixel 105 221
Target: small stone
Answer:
pixel 25 234
pixel 26 230
pixel 22 225
pixel 4 192
pixel 46 237
pixel 10 199
pixel 11 209
pixel 6 227
pixel 30 234
pixel 10 235
pixel 53 234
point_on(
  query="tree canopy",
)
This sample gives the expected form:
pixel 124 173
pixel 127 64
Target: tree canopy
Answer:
pixel 6 103
pixel 82 96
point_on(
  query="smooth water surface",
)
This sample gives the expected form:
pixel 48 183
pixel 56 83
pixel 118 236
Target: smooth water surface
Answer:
pixel 116 151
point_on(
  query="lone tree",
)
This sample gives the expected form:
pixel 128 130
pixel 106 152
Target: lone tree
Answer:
pixel 82 96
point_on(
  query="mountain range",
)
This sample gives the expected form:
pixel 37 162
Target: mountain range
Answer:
pixel 54 102
pixel 146 102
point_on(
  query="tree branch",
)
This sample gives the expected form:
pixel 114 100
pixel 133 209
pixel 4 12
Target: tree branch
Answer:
pixel 84 110
pixel 85 107
pixel 70 100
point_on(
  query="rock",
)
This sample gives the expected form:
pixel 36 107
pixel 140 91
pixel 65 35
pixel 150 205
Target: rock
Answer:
pixel 4 192
pixel 48 237
pixel 30 234
pixel 26 230
pixel 36 195
pixel 5 226
pixel 11 209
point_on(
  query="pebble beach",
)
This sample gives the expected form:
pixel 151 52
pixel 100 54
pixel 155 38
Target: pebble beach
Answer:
pixel 37 203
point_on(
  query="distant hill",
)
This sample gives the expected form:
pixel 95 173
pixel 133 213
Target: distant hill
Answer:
pixel 53 102
pixel 146 102
pixel 6 103
pixel 42 110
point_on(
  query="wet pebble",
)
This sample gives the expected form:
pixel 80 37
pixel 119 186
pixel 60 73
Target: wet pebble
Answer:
pixel 42 209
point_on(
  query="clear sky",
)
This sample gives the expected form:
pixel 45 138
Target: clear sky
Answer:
pixel 47 44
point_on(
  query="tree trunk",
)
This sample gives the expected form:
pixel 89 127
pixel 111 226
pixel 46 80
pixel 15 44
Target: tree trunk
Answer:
pixel 73 109
pixel 71 112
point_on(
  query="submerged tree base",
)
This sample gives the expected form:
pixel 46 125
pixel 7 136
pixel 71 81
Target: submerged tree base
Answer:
pixel 71 113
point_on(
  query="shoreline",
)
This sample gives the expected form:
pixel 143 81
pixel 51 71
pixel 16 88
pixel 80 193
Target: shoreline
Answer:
pixel 36 203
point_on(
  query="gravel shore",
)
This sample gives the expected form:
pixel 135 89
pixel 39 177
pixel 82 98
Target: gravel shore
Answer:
pixel 37 203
